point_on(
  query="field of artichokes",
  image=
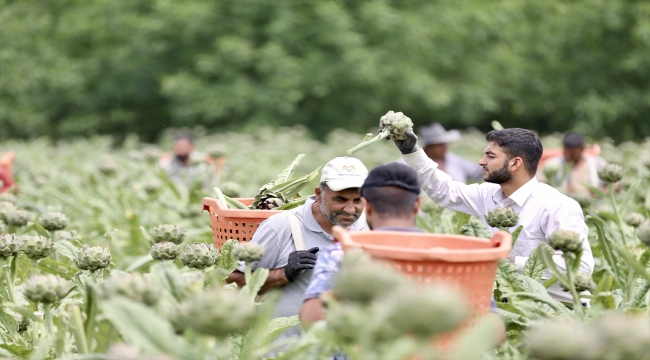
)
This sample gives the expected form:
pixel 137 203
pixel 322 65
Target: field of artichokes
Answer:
pixel 103 257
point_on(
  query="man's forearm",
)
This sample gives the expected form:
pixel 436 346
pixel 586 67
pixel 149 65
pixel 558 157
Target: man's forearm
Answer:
pixel 275 279
pixel 311 312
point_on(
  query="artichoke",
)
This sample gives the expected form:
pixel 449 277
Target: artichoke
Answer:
pixel 3 227
pixel 151 186
pixel 45 289
pixel 216 312
pixel 412 308
pixel 623 336
pixel 393 126
pixel 248 252
pixel 164 251
pixel 92 258
pixel 151 154
pixel 581 282
pixel 271 201
pixel 428 206
pixel 362 280
pixel 583 200
pixel 550 171
pixel 10 245
pixel 199 255
pixel 475 228
pixel 19 218
pixel 53 221
pixel 135 286
pixel 502 218
pixel 6 208
pixel 66 236
pixel 8 197
pixel 168 233
pixel 643 232
pixel 216 151
pixel 561 341
pixel 231 189
pixel 634 219
pixel 565 241
pixel 37 246
pixel 108 166
pixel 610 173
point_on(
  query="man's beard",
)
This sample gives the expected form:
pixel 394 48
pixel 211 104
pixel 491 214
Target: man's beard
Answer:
pixel 333 217
pixel 182 158
pixel 499 176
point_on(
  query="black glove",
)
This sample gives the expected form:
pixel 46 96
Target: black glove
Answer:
pixel 300 261
pixel 410 145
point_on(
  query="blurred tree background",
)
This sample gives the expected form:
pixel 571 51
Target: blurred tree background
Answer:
pixel 78 67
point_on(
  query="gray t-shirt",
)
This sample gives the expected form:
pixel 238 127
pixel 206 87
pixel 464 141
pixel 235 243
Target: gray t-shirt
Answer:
pixel 274 234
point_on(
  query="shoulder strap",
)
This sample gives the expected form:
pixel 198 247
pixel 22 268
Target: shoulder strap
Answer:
pixel 298 240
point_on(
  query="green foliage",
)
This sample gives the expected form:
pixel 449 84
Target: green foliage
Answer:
pixel 74 67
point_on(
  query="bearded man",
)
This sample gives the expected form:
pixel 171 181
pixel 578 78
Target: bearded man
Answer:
pixel 509 166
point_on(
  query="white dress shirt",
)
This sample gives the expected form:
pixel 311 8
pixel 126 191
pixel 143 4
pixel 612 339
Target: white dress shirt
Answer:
pixel 542 211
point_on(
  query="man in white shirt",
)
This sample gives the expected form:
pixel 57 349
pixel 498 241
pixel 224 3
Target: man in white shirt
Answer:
pixel 509 166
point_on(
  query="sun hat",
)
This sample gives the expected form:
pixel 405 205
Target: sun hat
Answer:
pixel 435 133
pixel 392 174
pixel 573 140
pixel 344 173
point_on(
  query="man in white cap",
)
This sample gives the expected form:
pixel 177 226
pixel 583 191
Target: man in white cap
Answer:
pixel 434 140
pixel 292 238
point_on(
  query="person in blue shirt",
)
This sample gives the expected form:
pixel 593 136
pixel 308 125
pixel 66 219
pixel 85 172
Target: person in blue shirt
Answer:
pixel 390 195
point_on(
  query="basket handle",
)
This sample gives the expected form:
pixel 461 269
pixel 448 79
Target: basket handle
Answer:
pixel 341 235
pixel 209 204
pixel 502 240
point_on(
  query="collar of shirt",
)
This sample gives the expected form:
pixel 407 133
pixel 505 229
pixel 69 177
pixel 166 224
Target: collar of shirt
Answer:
pixel 520 196
pixel 310 221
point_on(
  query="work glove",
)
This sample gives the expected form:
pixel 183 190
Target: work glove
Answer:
pixel 408 146
pixel 300 261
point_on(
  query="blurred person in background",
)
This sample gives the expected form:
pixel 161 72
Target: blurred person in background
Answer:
pixel 187 167
pixel 435 140
pixel 570 171
pixel 6 172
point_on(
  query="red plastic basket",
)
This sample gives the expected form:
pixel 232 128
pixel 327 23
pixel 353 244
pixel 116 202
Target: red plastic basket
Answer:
pixel 465 262
pixel 235 224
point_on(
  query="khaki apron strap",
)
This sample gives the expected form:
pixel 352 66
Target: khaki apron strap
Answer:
pixel 298 240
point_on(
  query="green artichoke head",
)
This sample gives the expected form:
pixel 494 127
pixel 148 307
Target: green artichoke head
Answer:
pixel 199 255
pixel 135 286
pixel 565 241
pixel 502 217
pixel 550 171
pixel 53 221
pixel 232 189
pixel 45 289
pixel 8 197
pixel 397 124
pixel 64 235
pixel 168 233
pixel 37 246
pixel 93 258
pixel 6 208
pixel 248 252
pixel 164 251
pixel 634 219
pixel 151 186
pixel 643 232
pixel 10 245
pixel 19 217
pixel 428 206
pixel 582 282
pixel 611 173
pixel 217 312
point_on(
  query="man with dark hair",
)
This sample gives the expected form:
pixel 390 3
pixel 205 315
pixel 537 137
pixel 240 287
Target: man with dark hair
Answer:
pixel 187 167
pixel 574 168
pixel 509 166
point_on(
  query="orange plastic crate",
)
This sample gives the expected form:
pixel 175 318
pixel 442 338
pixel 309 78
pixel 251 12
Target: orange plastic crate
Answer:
pixel 464 262
pixel 235 224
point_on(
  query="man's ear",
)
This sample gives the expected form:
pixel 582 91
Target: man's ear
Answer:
pixel 367 206
pixel 517 163
pixel 418 203
pixel 318 193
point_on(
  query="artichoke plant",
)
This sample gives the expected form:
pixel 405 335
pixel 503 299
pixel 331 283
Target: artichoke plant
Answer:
pixel 151 186
pixel 561 341
pixel 581 282
pixel 37 246
pixel 135 286
pixel 66 236
pixel 216 312
pixel 6 208
pixel 475 228
pixel 361 280
pixel 19 217
pixel 46 289
pixel 10 245
pixel 428 206
pixel 611 173
pixel 53 221
pixel 92 258
pixel 634 219
pixel 164 251
pixel 248 252
pixel 199 255
pixel 565 241
pixel 168 233
pixel 502 218
pixel 643 232
pixel 550 171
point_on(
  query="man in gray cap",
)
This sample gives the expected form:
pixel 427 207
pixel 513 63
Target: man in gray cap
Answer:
pixel 434 140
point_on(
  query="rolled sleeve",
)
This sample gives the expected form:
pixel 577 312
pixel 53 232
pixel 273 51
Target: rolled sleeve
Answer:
pixel 327 265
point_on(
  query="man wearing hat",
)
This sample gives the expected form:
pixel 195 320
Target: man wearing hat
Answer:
pixel 292 238
pixel 434 140
pixel 574 168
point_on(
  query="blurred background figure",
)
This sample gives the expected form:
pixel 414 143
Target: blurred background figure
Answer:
pixel 6 171
pixel 434 139
pixel 186 166
pixel 574 168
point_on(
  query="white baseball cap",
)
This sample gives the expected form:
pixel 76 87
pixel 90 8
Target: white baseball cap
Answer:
pixel 344 173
